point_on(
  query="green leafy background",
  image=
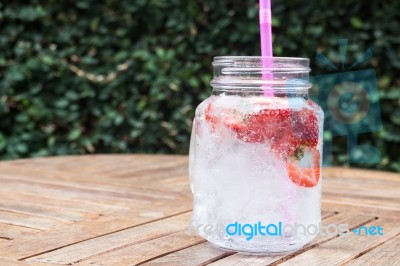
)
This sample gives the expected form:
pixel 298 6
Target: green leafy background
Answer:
pixel 112 76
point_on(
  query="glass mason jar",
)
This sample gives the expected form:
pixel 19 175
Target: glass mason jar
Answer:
pixel 255 156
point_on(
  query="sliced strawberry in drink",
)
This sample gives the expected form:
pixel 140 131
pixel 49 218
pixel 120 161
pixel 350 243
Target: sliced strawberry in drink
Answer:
pixel 234 122
pixel 271 126
pixel 284 130
pixel 262 126
pixel 285 144
pixel 229 118
pixel 306 171
pixel 305 127
pixel 209 117
pixel 292 134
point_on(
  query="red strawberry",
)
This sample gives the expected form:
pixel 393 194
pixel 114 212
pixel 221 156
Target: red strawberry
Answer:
pixel 229 118
pixel 285 130
pixel 209 117
pixel 305 175
pixel 305 127
pixel 272 126
pixel 264 125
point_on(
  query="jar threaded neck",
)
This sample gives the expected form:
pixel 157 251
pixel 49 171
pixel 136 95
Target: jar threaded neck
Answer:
pixel 256 74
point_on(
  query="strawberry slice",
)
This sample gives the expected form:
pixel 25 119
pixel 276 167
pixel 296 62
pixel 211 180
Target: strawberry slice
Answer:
pixel 265 125
pixel 284 130
pixel 230 119
pixel 306 171
pixel 209 117
pixel 305 127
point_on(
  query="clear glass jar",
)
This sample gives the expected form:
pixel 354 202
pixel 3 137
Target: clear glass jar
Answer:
pixel 255 156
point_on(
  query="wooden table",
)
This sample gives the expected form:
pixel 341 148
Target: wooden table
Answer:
pixel 135 209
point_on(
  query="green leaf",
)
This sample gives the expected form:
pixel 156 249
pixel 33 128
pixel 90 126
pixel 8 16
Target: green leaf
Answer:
pixel 356 22
pixel 74 134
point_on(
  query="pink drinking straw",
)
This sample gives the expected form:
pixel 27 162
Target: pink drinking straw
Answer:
pixel 266 41
pixel 266 51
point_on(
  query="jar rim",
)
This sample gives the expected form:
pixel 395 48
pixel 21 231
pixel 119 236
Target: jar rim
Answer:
pixel 269 63
pixel 257 72
pixel 263 60
pixel 283 58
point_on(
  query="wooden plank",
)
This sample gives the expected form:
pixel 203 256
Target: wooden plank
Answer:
pixel 343 206
pixel 385 254
pixel 95 163
pixel 43 211
pixel 153 166
pixel 176 169
pixel 60 192
pixel 343 249
pixel 89 248
pixel 89 207
pixel 201 254
pixel 4 239
pixel 8 231
pixel 29 221
pixel 353 220
pixel 389 205
pixel 377 191
pixel 7 262
pixel 354 173
pixel 161 182
pixel 76 189
pixel 354 182
pixel 145 251
pixel 325 214
pixel 77 232
pixel 95 166
pixel 103 184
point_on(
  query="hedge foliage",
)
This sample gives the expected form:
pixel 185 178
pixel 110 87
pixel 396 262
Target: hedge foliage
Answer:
pixel 112 76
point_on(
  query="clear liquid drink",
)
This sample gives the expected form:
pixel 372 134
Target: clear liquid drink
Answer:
pixel 255 156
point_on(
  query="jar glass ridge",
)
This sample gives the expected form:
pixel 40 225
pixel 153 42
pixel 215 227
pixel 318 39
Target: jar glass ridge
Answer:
pixel 250 73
